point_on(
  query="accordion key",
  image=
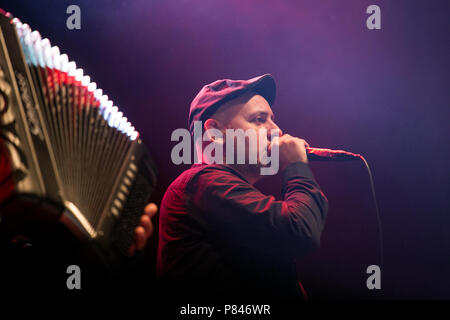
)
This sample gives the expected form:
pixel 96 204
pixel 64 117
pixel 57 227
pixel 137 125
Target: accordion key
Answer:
pixel 68 156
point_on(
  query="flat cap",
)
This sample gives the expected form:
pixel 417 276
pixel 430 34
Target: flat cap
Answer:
pixel 212 96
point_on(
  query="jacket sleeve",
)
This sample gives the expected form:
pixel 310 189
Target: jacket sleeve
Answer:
pixel 239 213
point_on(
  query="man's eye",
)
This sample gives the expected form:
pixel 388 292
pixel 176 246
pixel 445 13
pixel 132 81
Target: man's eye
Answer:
pixel 260 119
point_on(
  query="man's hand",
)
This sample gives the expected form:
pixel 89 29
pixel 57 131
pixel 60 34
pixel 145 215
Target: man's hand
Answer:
pixel 292 150
pixel 144 230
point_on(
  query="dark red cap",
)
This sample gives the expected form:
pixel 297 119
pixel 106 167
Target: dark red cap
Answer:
pixel 215 94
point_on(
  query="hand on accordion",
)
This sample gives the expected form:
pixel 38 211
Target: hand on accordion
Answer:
pixel 144 230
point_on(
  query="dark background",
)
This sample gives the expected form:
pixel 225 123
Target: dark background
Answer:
pixel 381 93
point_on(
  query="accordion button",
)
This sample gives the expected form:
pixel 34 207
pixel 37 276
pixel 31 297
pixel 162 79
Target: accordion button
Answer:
pixel 121 196
pixel 124 189
pixel 118 204
pixel 133 167
pixel 127 181
pixel 130 174
pixel 115 212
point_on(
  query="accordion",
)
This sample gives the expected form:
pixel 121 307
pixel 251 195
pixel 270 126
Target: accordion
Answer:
pixel 68 156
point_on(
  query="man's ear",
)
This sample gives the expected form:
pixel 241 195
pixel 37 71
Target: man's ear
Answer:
pixel 213 128
pixel 211 124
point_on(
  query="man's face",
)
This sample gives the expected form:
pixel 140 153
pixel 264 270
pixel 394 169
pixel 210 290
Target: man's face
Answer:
pixel 249 111
pixel 255 114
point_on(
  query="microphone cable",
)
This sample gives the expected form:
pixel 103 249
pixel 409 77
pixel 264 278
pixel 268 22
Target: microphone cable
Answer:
pixel 320 154
pixel 377 212
pixel 323 154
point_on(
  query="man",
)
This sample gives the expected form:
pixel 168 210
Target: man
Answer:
pixel 219 237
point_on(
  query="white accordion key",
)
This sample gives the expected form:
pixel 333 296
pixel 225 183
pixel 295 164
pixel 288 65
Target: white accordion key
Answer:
pixel 64 63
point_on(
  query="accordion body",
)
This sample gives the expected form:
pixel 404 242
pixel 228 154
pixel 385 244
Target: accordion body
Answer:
pixel 68 156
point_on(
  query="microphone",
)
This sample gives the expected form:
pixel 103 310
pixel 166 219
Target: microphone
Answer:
pixel 321 154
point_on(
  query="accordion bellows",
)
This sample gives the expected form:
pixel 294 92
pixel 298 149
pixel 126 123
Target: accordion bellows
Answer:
pixel 65 145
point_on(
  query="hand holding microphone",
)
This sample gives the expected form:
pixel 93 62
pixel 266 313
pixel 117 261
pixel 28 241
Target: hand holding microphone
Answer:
pixel 293 149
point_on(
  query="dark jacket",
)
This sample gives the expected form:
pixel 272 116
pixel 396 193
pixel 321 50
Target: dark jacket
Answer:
pixel 221 237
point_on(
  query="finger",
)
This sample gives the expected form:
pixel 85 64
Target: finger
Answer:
pixel 140 238
pixel 151 209
pixel 303 141
pixel 306 144
pixel 146 223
